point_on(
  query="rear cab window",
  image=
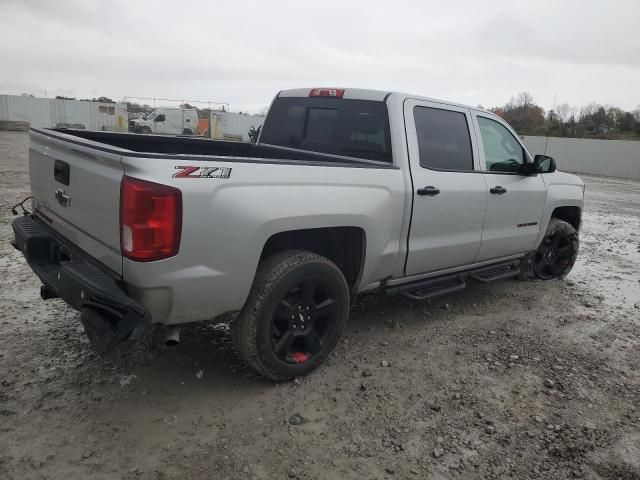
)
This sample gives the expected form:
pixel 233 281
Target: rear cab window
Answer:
pixel 337 126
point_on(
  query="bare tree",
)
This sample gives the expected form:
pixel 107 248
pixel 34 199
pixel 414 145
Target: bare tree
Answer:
pixel 523 99
pixel 523 114
pixel 589 110
pixel 565 112
pixel 614 115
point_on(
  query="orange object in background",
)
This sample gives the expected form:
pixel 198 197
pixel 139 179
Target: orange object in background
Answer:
pixel 203 127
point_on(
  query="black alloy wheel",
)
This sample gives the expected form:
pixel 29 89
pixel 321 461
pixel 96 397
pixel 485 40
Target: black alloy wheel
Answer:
pixel 303 320
pixel 296 311
pixel 558 251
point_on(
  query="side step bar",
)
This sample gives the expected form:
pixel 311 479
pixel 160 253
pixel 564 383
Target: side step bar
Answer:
pixel 432 287
pixel 496 272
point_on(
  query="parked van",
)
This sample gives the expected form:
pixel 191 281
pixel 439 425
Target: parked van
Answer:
pixel 168 121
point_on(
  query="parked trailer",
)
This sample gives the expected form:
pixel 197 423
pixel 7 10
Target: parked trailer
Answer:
pixel 233 126
pixel 58 113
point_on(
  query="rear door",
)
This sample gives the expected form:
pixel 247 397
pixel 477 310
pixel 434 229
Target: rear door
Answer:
pixel 76 190
pixel 515 201
pixel 450 194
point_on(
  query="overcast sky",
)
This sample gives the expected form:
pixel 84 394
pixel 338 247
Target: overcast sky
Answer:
pixel 243 52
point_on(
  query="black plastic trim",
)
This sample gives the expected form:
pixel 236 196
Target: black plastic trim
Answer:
pixel 413 186
pixel 111 318
pixel 61 172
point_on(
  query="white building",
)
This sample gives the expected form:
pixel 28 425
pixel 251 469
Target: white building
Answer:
pixel 52 113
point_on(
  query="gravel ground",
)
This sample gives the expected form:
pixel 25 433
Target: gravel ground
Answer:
pixel 505 380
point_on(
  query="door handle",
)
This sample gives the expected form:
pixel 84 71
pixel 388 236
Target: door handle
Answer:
pixel 61 172
pixel 498 190
pixel 430 191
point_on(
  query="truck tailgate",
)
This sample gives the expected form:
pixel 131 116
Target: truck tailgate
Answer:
pixel 76 190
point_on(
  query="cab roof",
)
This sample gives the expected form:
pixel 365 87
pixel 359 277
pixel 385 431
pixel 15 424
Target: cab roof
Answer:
pixel 364 94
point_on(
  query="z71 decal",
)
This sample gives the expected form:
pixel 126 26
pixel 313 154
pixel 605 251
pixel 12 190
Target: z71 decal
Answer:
pixel 202 172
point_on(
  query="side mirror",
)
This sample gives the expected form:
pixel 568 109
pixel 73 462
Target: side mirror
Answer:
pixel 544 164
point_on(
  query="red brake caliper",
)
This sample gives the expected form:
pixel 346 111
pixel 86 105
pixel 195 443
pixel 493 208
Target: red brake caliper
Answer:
pixel 299 357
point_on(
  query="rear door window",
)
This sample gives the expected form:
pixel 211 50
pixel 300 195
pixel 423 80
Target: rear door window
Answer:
pixel 353 128
pixel 443 139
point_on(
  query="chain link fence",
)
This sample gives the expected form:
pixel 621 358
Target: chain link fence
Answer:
pixel 208 119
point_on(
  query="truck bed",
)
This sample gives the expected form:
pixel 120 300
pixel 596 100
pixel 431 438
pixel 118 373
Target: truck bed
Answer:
pixel 166 146
pixel 164 218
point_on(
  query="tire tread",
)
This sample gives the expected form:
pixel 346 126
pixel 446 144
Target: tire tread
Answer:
pixel 244 330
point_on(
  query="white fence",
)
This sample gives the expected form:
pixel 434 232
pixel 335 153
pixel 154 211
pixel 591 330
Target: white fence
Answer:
pixel 49 113
pixel 609 158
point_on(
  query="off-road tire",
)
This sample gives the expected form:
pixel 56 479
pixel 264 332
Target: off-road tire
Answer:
pixel 251 330
pixel 570 237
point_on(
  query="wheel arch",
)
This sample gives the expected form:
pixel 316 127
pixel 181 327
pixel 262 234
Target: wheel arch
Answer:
pixel 344 245
pixel 570 214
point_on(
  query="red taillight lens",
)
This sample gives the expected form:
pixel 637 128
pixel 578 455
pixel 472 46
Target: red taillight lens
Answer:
pixel 327 92
pixel 150 220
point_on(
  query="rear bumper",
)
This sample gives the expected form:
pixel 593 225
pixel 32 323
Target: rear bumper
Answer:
pixel 111 318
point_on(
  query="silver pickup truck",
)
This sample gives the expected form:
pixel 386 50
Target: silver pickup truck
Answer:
pixel 346 191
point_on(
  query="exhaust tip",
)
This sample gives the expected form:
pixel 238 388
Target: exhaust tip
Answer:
pixel 46 293
pixel 172 337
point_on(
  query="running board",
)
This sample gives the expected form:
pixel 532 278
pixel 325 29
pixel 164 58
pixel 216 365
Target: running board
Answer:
pixel 496 272
pixel 433 287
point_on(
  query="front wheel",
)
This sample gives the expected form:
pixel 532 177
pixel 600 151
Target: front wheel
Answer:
pixel 294 316
pixel 557 252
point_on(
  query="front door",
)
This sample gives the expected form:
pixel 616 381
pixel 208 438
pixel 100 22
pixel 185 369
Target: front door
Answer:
pixel 159 123
pixel 449 193
pixel 515 201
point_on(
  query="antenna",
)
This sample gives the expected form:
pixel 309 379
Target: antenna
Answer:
pixel 553 109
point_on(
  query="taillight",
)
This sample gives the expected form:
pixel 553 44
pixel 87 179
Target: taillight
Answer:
pixel 150 220
pixel 327 92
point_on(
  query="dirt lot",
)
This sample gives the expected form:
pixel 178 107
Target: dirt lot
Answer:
pixel 505 380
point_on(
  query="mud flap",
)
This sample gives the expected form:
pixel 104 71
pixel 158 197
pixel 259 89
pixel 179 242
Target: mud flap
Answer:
pixel 111 338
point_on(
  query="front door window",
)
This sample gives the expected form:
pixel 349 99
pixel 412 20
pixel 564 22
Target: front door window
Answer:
pixel 502 152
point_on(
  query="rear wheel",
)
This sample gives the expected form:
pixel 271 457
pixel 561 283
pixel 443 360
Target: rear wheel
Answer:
pixel 145 130
pixel 557 252
pixel 187 131
pixel 294 316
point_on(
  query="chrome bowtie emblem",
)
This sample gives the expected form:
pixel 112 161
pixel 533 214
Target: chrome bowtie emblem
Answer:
pixel 63 198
